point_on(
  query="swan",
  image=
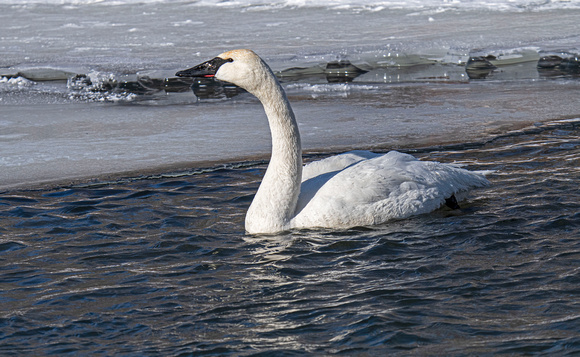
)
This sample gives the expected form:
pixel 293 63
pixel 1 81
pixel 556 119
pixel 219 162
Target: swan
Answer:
pixel 357 188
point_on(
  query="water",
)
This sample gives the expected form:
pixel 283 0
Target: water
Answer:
pixel 163 267
pixel 122 196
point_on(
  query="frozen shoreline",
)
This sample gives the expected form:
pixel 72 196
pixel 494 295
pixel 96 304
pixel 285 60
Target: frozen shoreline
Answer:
pixel 413 89
pixel 82 142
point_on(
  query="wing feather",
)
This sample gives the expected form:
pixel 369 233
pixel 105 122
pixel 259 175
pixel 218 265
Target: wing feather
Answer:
pixel 378 188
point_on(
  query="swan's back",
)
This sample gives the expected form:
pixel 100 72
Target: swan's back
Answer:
pixel 378 189
pixel 335 163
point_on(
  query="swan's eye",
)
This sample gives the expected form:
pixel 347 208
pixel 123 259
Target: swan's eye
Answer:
pixel 217 62
pixel 207 69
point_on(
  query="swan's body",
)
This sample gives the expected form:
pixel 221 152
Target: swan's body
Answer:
pixel 353 189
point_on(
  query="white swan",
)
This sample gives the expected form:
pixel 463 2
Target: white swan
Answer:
pixel 358 188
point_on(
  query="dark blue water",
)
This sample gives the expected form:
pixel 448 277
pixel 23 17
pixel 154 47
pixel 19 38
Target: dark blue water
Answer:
pixel 163 267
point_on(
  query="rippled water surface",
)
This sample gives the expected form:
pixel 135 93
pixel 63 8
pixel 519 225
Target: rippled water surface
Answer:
pixel 163 267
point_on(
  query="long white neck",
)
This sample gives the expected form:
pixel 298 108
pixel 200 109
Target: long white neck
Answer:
pixel 275 202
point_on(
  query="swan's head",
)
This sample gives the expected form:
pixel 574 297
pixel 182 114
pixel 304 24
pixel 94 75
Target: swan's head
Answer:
pixel 243 68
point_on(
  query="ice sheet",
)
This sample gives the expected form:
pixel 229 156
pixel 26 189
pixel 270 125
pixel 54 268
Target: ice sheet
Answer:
pixel 68 142
pixel 83 89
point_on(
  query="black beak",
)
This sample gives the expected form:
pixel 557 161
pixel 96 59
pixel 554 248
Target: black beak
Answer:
pixel 206 69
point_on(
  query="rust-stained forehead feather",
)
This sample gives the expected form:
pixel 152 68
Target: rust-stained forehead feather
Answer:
pixel 237 54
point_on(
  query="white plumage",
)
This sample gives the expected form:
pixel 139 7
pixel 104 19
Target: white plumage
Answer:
pixel 376 188
pixel 357 188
